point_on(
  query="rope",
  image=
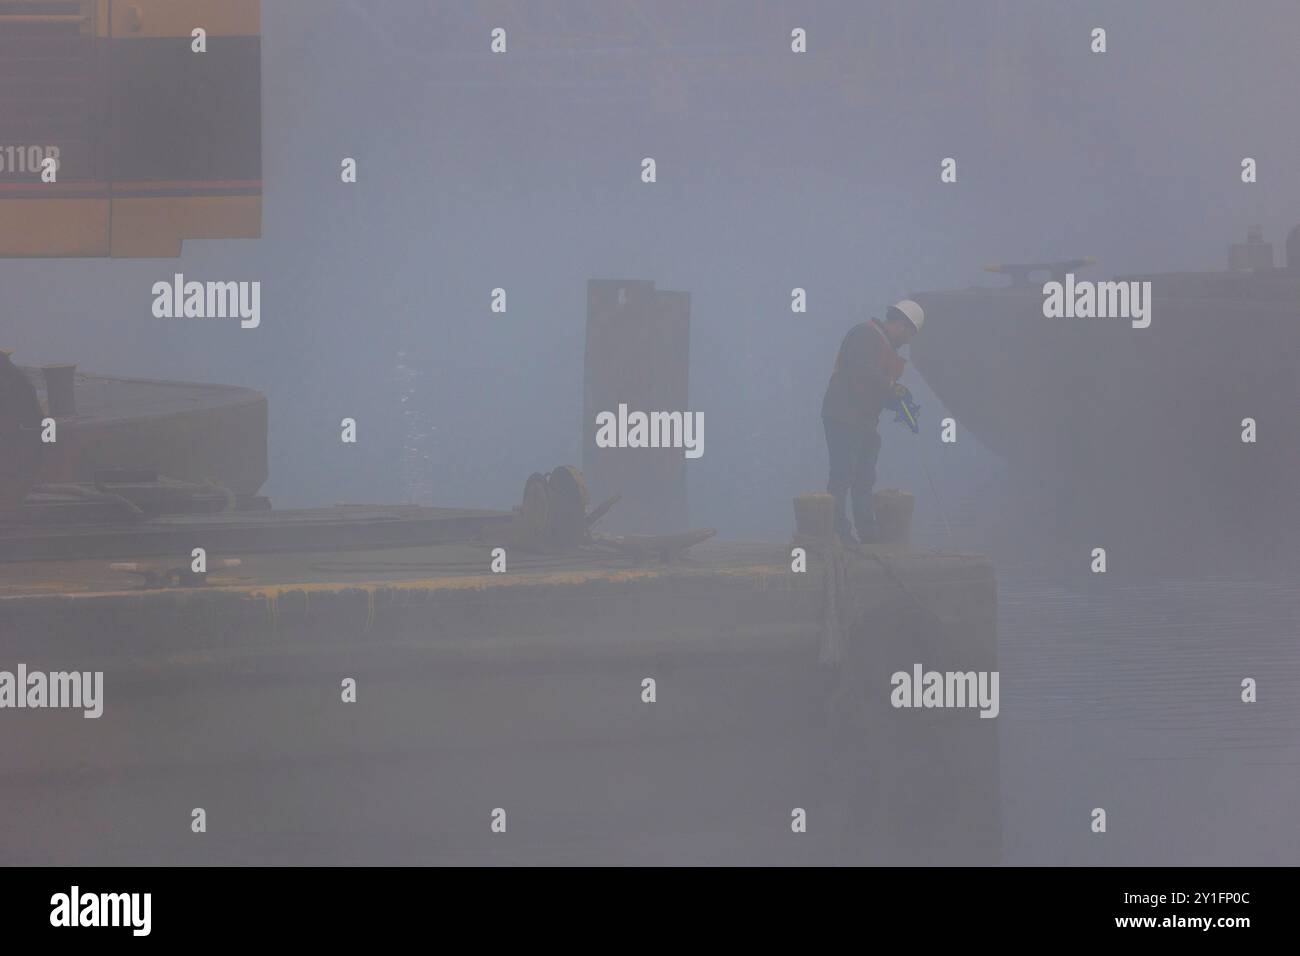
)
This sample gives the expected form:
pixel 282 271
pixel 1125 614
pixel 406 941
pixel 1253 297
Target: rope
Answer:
pixel 835 585
pixel 837 589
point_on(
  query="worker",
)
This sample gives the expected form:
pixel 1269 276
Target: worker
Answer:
pixel 864 382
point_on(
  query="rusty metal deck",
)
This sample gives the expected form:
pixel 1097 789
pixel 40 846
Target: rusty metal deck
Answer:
pixel 347 527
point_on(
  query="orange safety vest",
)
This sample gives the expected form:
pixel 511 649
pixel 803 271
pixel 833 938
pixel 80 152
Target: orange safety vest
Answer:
pixel 891 363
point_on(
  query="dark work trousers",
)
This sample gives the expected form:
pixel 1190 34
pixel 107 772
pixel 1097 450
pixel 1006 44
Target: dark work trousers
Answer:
pixel 853 450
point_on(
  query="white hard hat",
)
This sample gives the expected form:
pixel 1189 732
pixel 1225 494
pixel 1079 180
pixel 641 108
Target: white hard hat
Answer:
pixel 909 310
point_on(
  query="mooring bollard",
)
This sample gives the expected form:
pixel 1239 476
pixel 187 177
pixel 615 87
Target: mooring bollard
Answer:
pixel 894 515
pixel 814 519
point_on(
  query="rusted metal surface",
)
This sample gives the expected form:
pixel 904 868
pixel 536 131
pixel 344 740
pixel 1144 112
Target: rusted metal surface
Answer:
pixel 638 354
pixel 344 528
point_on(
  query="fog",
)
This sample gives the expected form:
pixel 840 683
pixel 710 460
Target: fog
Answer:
pixel 775 171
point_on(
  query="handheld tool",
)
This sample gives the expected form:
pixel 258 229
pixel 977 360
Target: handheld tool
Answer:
pixel 906 407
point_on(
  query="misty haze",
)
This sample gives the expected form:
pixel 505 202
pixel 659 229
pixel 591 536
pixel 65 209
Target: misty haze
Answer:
pixel 995 333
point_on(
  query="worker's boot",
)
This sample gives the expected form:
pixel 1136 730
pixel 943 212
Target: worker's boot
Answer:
pixel 865 522
pixel 843 530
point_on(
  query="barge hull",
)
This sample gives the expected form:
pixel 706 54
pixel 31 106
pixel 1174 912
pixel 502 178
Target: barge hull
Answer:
pixel 521 691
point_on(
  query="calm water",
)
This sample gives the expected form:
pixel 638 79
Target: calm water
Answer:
pixel 1128 697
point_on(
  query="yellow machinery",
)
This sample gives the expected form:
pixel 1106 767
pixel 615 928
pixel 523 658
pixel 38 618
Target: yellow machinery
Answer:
pixel 153 140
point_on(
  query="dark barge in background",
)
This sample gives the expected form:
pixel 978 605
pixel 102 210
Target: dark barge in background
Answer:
pixel 1131 438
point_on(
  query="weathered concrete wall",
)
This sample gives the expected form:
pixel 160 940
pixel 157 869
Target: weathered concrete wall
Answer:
pixel 525 694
